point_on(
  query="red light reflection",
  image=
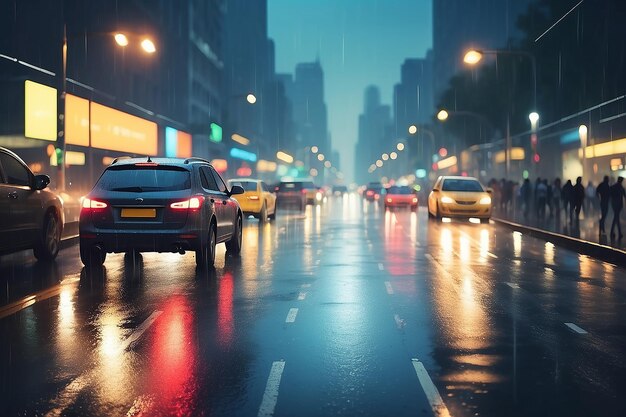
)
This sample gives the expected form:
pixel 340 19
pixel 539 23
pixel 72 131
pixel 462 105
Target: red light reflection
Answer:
pixel 225 322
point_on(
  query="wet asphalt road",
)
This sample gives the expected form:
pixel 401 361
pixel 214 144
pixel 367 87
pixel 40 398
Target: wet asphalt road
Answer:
pixel 345 310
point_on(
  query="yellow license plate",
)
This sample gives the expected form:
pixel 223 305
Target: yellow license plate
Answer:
pixel 143 212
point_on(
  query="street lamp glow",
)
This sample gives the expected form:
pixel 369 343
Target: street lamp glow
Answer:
pixel 400 146
pixel 442 115
pixel 121 39
pixel 284 156
pixel 251 98
pixel 314 149
pixel 327 164
pixel 472 57
pixel 385 156
pixel 148 46
pixel 393 155
pixel 320 157
pixel 582 131
pixel 412 129
pixel 379 163
pixel 533 117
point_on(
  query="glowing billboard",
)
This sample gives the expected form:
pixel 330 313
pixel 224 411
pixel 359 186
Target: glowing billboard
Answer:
pixel 177 143
pixel 76 120
pixel 40 111
pixel 118 131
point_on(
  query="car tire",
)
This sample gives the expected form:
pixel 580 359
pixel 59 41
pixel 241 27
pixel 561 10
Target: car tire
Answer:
pixel 205 257
pixel 48 248
pixel 437 213
pixel 233 246
pixel 263 214
pixel 273 215
pixel 91 256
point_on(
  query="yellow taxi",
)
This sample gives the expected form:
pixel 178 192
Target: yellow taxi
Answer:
pixel 257 200
pixel 463 197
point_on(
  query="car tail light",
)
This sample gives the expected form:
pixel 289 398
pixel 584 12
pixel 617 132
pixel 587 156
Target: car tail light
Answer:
pixel 193 203
pixel 253 197
pixel 146 164
pixel 93 204
pixel 377 196
pixel 415 199
pixel 389 200
pixel 303 191
pixel 369 193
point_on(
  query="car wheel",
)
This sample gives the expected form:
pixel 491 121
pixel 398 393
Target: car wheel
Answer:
pixel 91 256
pixel 233 246
pixel 263 214
pixel 437 213
pixel 205 257
pixel 273 215
pixel 48 248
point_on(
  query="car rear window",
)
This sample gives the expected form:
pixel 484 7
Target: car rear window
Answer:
pixel 399 190
pixel 461 185
pixel 247 185
pixel 144 179
pixel 290 186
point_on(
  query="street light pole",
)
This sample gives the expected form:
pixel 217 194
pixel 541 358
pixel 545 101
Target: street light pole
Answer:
pixel 61 121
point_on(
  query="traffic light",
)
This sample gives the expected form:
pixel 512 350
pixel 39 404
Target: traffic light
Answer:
pixel 536 158
pixel 59 155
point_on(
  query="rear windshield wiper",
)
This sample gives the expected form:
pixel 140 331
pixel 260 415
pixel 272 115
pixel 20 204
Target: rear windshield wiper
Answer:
pixel 129 189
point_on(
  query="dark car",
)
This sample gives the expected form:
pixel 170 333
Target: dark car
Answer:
pixel 339 189
pixel 30 216
pixel 373 191
pixel 159 205
pixel 291 193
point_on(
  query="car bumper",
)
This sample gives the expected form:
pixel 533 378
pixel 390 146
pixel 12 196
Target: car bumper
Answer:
pixel 462 211
pixel 251 206
pixel 141 240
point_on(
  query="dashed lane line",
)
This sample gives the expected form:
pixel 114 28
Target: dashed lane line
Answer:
pixel 575 328
pixel 389 287
pixel 270 396
pixel 432 394
pixel 291 316
pixel 301 296
pixel 513 285
pixel 380 267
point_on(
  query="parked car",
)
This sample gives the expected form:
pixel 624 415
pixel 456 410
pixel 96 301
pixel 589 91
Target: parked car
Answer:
pixel 400 196
pixel 463 197
pixel 31 217
pixel 160 205
pixel 257 200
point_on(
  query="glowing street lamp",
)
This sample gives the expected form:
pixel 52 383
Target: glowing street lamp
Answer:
pixel 148 46
pixel 472 57
pixel 251 98
pixel 314 149
pixel 400 146
pixel 121 39
pixel 412 129
pixel 320 157
pixel 534 118
pixel 442 115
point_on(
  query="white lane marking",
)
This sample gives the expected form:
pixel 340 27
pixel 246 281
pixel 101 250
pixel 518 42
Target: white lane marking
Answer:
pixel 306 285
pixel 399 321
pixel 291 316
pixel 301 296
pixel 389 287
pixel 270 396
pixel 71 392
pixel 513 285
pixel 380 266
pixel 575 328
pixel 434 399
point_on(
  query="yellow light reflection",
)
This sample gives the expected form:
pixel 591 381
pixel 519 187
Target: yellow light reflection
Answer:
pixel 549 253
pixel 446 244
pixel 517 244
pixel 586 266
pixel 484 244
pixel 464 249
pixel 413 230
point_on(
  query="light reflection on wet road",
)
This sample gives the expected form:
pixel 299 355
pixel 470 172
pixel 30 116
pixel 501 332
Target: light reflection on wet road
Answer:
pixel 324 314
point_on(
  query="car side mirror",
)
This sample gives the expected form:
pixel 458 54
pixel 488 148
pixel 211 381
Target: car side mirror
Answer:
pixel 237 189
pixel 435 189
pixel 41 182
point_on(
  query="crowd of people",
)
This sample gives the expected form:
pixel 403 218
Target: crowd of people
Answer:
pixel 552 199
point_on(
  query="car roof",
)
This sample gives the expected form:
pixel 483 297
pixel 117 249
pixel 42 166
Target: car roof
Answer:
pixel 120 161
pixel 458 177
pixel 244 180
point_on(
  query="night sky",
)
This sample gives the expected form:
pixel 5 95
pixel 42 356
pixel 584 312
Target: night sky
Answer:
pixel 359 42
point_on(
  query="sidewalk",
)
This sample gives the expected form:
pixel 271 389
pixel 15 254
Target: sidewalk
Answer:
pixel 582 236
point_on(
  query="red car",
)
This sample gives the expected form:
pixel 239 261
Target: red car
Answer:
pixel 402 196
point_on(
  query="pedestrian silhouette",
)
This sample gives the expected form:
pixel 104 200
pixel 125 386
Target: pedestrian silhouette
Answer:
pixel 617 203
pixel 578 196
pixel 603 192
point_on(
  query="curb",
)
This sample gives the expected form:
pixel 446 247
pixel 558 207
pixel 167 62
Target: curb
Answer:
pixel 595 250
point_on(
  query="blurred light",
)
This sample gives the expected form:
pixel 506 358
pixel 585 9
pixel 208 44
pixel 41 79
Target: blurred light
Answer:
pixel 442 115
pixel 412 129
pixel 241 154
pixel 107 160
pixel 282 170
pixel 515 154
pixel 474 220
pixel 472 57
pixel 320 157
pixel 148 46
pixel 266 166
pixel 244 171
pixel 446 200
pixel 50 149
pixel 434 166
pixel 525 174
pixel 251 98
pixel 299 164
pixel 417 187
pixel 121 39
pixel 446 220
pixel 327 164
pixel 118 131
pixel 536 158
pixel 71 158
pixel 379 163
pixel 284 156
pixel 582 130
pixel 220 165
pixel 216 133
pixel 533 117
pixel 447 163
pixel 240 139
pixel 400 146
pixel 76 120
pixel 313 172
pixel 420 173
pixel 40 110
pixel 385 157
pixel 393 155
pixel 314 149
pixel 485 200
pixel 443 152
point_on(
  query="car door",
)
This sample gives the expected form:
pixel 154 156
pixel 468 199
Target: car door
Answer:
pixel 230 206
pixel 223 213
pixel 21 207
pixel 215 198
pixel 270 200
